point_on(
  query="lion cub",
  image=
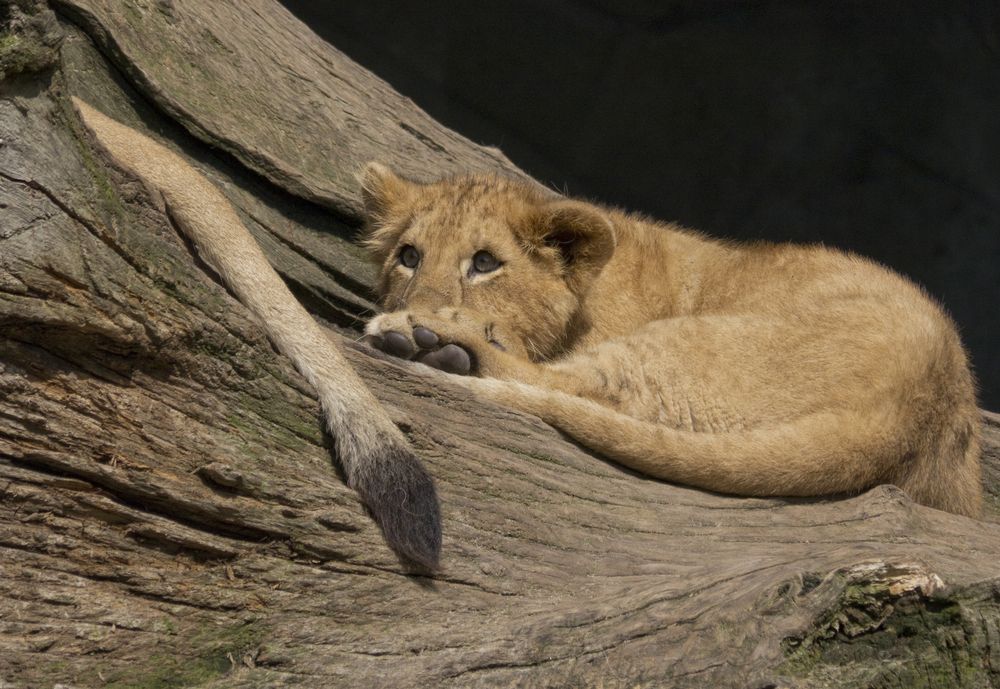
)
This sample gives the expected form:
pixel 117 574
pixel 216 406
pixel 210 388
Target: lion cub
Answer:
pixel 748 369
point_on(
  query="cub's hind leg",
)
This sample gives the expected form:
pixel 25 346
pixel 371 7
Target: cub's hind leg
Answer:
pixel 695 400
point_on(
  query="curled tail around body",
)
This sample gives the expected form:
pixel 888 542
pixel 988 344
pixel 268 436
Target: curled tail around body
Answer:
pixel 375 456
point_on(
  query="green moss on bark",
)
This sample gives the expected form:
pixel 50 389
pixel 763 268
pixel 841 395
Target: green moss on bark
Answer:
pixel 877 639
pixel 29 38
pixel 214 653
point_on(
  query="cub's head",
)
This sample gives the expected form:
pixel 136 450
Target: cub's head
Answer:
pixel 517 256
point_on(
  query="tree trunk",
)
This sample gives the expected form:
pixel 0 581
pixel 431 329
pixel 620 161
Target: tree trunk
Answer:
pixel 170 515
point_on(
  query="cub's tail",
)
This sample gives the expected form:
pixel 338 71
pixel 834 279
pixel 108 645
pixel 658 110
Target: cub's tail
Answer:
pixel 376 458
pixel 822 453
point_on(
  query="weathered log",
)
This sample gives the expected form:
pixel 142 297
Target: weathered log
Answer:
pixel 169 511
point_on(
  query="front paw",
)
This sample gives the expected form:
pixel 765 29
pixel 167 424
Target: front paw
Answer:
pixel 448 339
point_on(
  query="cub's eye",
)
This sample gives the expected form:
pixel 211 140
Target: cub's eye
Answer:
pixel 409 256
pixel 484 262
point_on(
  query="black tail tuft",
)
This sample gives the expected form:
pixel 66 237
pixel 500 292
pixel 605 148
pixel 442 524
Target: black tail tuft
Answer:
pixel 400 494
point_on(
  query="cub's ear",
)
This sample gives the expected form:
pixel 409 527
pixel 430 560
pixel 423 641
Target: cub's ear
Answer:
pixel 383 191
pixel 581 234
pixel 387 198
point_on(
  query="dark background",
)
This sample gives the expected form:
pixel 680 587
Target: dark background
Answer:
pixel 870 125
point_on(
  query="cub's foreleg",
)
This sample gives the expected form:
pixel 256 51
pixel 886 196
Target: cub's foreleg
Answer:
pixel 463 342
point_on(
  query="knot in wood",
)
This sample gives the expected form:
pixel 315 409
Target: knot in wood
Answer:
pixel 220 474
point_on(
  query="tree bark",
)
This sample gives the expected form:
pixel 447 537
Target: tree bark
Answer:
pixel 170 515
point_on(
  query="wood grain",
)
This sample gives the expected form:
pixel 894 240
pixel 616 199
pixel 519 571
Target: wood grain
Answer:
pixel 170 514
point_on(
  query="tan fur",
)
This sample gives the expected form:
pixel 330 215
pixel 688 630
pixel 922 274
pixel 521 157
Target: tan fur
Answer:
pixel 374 454
pixel 747 369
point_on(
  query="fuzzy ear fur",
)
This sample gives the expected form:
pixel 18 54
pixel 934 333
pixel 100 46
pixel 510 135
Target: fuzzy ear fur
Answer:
pixel 580 233
pixel 382 190
pixel 387 198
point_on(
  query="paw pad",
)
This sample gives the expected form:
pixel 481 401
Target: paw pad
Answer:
pixel 425 348
pixel 451 359
pixel 425 338
pixel 397 344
